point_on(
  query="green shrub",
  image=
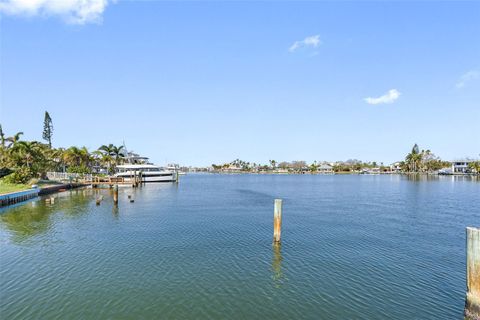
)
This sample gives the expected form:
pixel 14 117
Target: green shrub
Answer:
pixel 21 175
pixel 78 169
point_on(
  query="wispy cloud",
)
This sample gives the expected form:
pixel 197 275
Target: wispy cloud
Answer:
pixel 467 77
pixel 388 97
pixel 312 41
pixel 71 11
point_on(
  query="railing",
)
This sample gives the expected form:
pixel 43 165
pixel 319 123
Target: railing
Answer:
pixel 66 176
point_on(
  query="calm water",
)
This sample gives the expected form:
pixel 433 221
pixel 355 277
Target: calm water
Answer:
pixel 354 247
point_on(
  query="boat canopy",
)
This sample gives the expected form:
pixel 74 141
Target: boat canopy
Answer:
pixel 137 166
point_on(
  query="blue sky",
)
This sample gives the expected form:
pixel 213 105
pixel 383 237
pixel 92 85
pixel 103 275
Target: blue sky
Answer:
pixel 208 82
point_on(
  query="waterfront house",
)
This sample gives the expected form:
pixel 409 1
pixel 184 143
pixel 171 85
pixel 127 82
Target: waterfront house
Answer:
pixel 325 168
pixel 461 166
pixel 232 168
pixel 375 170
pixel 396 167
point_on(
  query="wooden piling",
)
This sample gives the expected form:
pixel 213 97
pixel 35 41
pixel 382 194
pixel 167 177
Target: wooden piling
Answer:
pixel 134 179
pixel 472 301
pixel 277 221
pixel 115 194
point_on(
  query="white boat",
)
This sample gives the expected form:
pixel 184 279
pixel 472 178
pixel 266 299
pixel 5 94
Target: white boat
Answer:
pixel 150 173
pixel 172 167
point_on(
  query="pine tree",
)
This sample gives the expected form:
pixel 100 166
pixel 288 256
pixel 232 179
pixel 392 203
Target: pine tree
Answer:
pixel 2 137
pixel 48 129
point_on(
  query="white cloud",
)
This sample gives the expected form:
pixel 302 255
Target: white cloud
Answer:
pixel 312 41
pixel 467 77
pixel 389 97
pixel 72 11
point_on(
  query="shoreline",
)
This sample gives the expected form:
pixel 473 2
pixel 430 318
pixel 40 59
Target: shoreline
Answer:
pixel 341 173
pixel 11 198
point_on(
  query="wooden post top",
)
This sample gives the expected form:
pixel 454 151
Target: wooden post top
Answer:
pixel 472 309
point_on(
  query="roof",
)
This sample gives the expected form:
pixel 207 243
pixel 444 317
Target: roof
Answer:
pixel 324 167
pixel 464 160
pixel 136 166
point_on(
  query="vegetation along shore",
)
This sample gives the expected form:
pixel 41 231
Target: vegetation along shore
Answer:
pixel 24 163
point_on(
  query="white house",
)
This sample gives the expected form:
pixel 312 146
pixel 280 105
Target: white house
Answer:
pixel 325 168
pixel 461 166
pixel 395 167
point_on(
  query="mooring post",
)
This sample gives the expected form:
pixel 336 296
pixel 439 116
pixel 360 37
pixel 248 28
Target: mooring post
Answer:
pixel 277 221
pixel 115 194
pixel 472 303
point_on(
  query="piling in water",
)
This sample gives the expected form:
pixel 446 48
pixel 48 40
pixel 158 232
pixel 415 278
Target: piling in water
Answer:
pixel 134 179
pixel 115 194
pixel 277 221
pixel 472 301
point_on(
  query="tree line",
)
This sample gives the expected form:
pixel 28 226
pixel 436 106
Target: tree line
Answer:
pixel 21 160
pixel 416 161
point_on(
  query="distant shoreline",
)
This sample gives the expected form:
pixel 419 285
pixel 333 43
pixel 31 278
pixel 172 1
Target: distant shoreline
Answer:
pixel 340 173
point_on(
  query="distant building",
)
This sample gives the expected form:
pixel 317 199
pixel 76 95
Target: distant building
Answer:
pixel 232 169
pixel 395 167
pixel 375 170
pixel 461 166
pixel 325 168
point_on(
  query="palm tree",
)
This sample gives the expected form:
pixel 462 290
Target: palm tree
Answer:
pixel 14 139
pixel 414 159
pixel 25 153
pixel 57 158
pixel 273 163
pixel 475 165
pixel 113 154
pixel 75 156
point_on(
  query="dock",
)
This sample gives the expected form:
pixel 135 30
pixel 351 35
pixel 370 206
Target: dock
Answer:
pixel 19 196
pixel 134 181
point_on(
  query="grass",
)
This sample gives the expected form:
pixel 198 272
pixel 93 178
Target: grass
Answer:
pixel 9 187
pixel 13 187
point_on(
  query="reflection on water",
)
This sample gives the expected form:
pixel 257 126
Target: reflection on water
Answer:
pixel 30 219
pixel 115 210
pixel 436 177
pixel 390 246
pixel 277 264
